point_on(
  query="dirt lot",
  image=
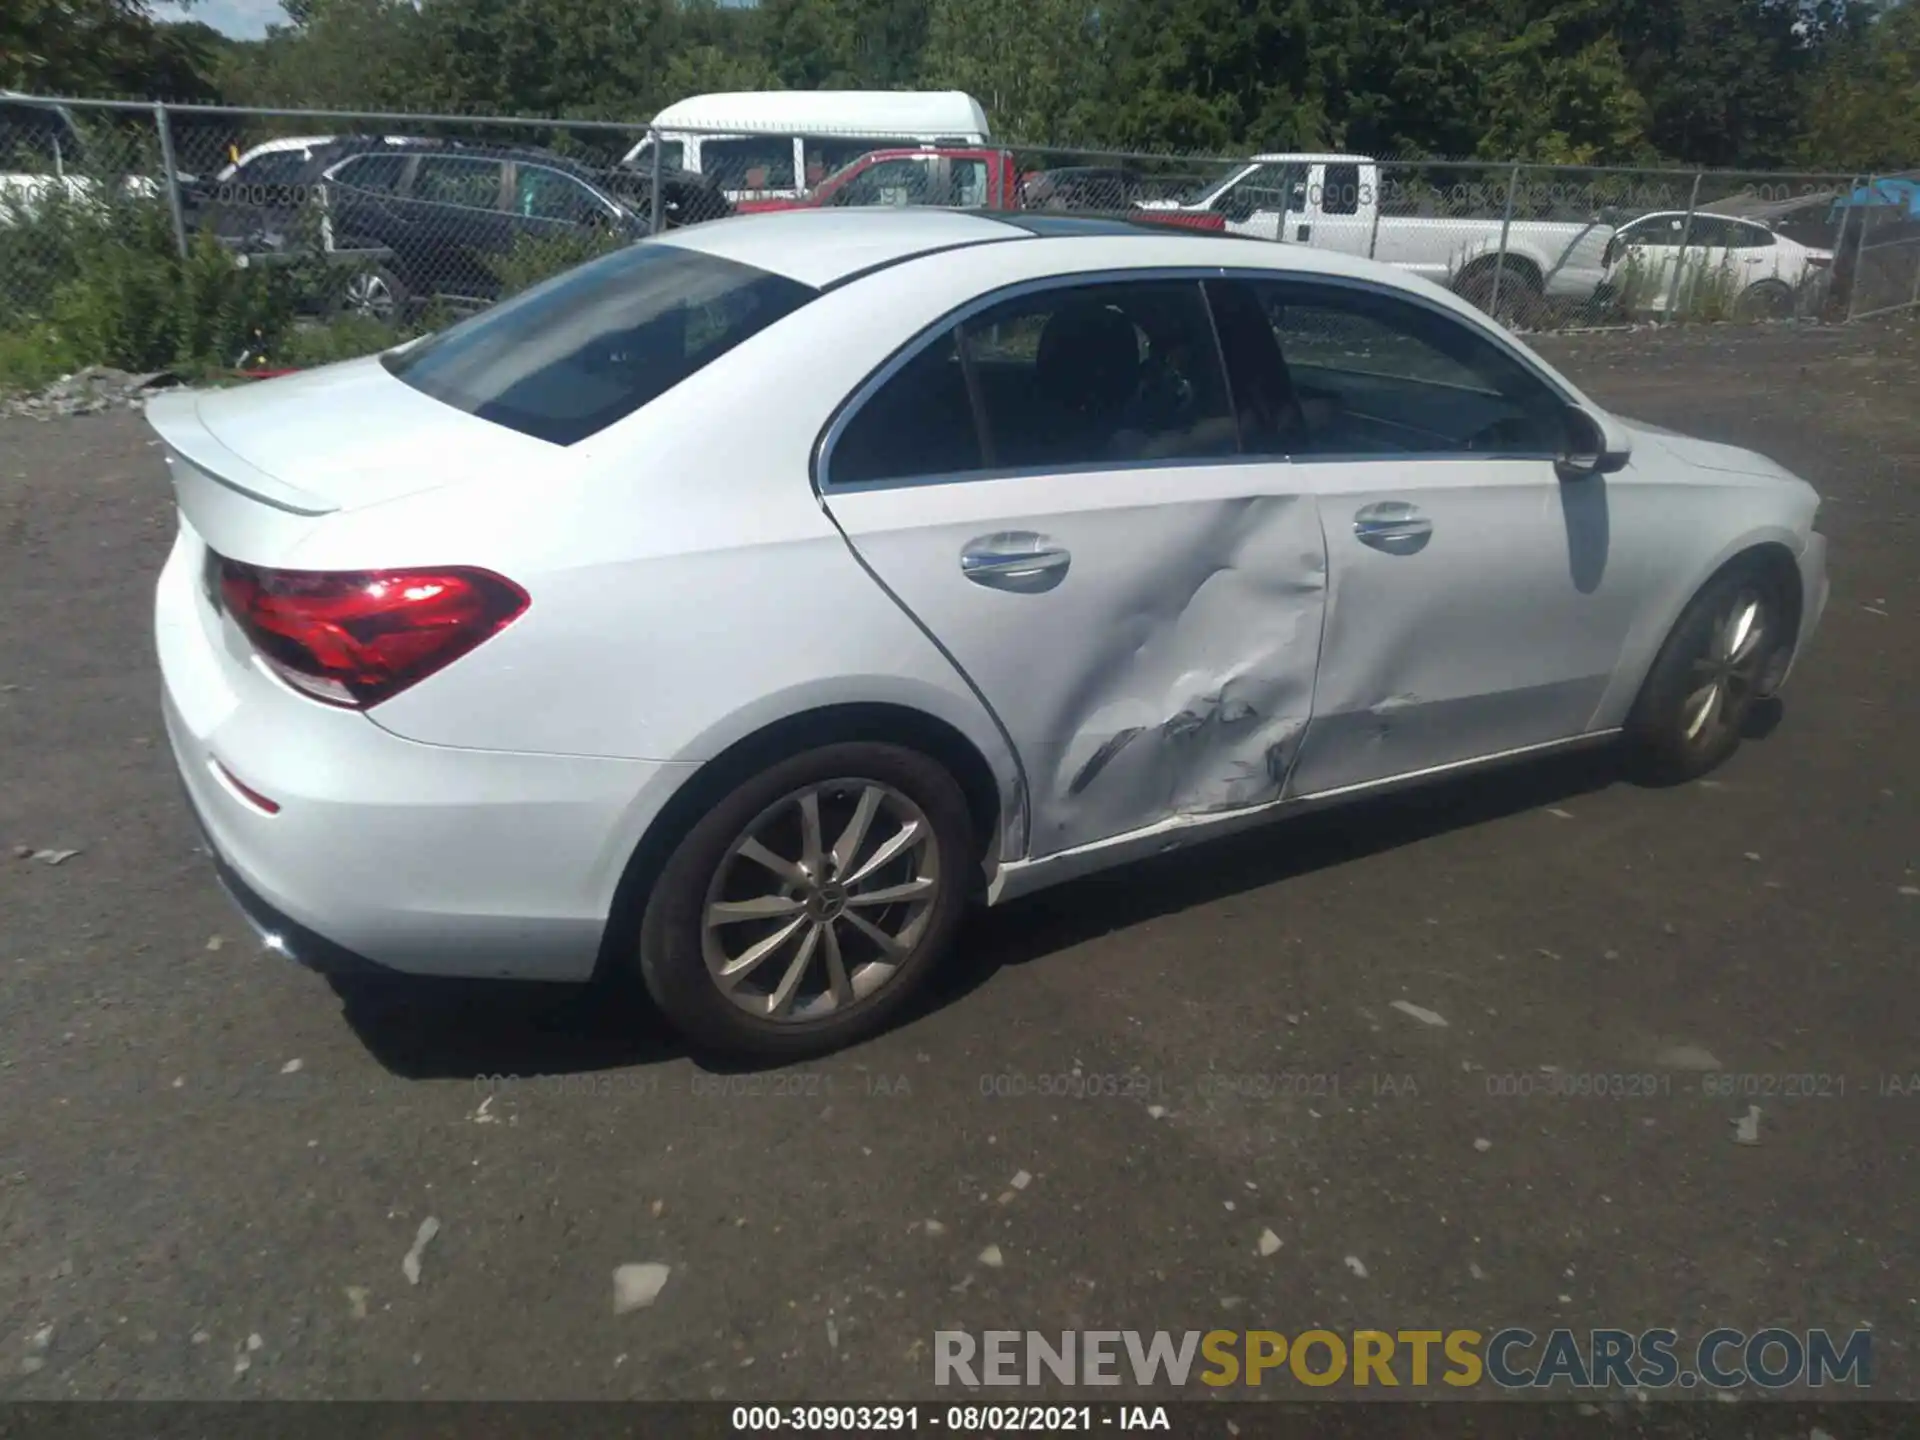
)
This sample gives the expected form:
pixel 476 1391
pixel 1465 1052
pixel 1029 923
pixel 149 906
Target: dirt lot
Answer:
pixel 211 1164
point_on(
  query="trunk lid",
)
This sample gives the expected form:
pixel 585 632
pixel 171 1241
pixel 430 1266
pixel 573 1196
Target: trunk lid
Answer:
pixel 255 467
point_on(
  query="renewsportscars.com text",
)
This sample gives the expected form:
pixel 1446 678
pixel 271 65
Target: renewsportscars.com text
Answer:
pixel 1511 1358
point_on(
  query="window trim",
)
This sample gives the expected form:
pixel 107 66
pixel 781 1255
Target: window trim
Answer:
pixel 820 466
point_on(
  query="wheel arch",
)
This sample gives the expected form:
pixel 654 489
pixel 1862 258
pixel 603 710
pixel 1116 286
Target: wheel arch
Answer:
pixel 1772 551
pixel 1484 261
pixel 994 807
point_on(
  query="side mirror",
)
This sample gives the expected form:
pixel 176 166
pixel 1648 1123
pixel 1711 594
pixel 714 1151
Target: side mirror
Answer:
pixel 1593 446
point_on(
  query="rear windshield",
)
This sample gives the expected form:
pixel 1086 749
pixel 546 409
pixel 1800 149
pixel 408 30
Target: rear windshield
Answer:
pixel 572 355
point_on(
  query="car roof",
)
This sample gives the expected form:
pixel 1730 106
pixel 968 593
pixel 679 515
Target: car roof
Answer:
pixel 915 112
pixel 823 248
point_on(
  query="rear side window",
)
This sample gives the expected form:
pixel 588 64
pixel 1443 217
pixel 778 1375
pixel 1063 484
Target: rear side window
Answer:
pixel 470 183
pixel 1105 375
pixel 567 358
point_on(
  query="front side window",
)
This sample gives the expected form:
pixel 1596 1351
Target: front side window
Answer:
pixel 282 167
pixel 1083 376
pixel 1265 188
pixel 543 194
pixel 970 183
pixel 572 355
pixel 1752 237
pixel 890 182
pixel 757 162
pixel 1657 231
pixel 379 174
pixel 462 180
pixel 1364 373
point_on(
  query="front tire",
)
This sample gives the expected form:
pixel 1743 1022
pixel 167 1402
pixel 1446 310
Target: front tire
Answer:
pixel 1709 674
pixel 809 906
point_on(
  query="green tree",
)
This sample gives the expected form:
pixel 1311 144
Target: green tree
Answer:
pixel 1863 110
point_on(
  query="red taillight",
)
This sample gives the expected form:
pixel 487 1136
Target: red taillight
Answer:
pixel 357 637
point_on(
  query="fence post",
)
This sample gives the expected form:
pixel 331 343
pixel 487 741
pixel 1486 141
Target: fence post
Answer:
pixel 1859 251
pixel 1686 238
pixel 1840 249
pixel 1506 227
pixel 1379 199
pixel 170 177
pixel 654 201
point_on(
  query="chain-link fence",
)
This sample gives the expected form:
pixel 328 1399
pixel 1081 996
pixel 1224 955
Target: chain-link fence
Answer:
pixel 148 232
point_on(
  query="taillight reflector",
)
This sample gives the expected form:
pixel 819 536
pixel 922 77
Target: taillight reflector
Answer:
pixel 356 637
pixel 244 790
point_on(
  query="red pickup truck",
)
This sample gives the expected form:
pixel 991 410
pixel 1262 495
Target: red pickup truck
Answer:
pixel 957 179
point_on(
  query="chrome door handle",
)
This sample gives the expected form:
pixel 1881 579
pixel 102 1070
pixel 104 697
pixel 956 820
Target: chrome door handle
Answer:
pixel 1015 560
pixel 1393 526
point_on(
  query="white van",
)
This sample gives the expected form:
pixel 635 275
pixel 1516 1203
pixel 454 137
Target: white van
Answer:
pixel 768 144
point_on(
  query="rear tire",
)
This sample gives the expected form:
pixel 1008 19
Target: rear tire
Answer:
pixel 1714 666
pixel 1519 300
pixel 773 937
pixel 1767 300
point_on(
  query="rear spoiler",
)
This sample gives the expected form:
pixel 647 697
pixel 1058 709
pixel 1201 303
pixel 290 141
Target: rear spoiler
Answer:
pixel 175 418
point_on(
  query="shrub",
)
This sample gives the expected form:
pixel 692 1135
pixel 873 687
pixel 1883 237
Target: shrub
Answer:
pixel 533 259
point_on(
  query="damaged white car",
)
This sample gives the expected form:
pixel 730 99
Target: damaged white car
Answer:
pixel 740 606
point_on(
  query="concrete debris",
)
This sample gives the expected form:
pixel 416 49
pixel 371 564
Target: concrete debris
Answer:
pixel 90 391
pixel 52 857
pixel 292 1067
pixel 1353 1264
pixel 991 1257
pixel 1746 1129
pixel 1483 1145
pixel 1021 1179
pixel 635 1287
pixel 1156 1112
pixel 357 1301
pixel 1269 1242
pixel 410 1262
pixel 1420 1013
pixel 934 1227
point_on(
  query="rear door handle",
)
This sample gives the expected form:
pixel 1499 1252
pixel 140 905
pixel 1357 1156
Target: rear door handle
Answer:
pixel 1394 526
pixel 1019 561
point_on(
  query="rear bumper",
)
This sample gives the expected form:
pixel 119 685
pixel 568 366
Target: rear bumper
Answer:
pixel 385 853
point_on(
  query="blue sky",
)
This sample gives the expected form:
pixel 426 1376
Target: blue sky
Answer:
pixel 242 19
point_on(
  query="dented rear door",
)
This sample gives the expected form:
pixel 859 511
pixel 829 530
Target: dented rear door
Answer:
pixel 1164 667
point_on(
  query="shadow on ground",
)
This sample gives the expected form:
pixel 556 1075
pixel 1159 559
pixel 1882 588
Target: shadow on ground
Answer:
pixel 441 1029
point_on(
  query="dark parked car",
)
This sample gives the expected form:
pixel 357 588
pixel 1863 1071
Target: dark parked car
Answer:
pixel 407 219
pixel 440 219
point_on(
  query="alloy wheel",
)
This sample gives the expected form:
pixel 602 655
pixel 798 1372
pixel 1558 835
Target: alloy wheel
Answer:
pixel 820 901
pixel 369 294
pixel 1724 679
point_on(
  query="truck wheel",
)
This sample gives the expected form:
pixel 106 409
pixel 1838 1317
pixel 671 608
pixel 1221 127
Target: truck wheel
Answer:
pixel 1519 298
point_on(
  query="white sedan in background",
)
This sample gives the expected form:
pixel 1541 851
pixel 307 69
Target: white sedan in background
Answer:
pixel 1763 272
pixel 740 606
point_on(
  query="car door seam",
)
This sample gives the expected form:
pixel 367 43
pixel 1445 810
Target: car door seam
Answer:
pixel 1013 750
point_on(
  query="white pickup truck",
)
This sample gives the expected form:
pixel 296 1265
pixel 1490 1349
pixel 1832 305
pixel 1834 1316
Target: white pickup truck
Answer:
pixel 1335 202
pixel 41 153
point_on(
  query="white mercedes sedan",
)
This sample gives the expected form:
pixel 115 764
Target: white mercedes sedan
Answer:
pixel 739 607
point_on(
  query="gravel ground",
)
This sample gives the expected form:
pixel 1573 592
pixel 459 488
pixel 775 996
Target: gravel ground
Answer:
pixel 213 1166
